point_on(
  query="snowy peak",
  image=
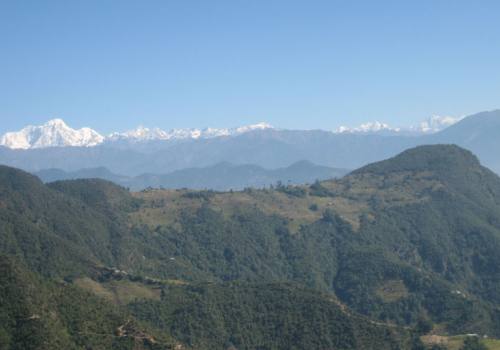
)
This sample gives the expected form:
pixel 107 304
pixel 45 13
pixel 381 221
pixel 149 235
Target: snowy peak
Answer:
pixel 368 128
pixel 437 123
pixel 429 126
pixel 54 133
pixel 142 134
pixel 248 128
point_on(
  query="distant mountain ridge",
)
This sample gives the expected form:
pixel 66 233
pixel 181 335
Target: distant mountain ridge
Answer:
pixel 143 134
pixel 56 133
pixel 265 147
pixel 222 176
pixel 431 125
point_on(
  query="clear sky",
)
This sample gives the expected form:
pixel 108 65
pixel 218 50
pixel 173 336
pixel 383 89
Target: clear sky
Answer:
pixel 113 65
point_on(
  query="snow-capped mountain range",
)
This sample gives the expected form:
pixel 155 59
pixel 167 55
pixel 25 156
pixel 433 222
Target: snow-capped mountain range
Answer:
pixel 437 123
pixel 127 155
pixel 145 134
pixel 367 128
pixel 431 125
pixel 55 133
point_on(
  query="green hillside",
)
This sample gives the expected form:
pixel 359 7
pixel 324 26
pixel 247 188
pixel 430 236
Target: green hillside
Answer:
pixel 397 249
pixel 42 314
pixel 272 316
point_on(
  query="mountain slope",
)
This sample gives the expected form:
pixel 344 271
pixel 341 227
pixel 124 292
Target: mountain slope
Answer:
pixel 51 175
pixel 40 314
pixel 69 249
pixel 64 229
pixel 424 223
pixel 477 133
pixel 413 239
pixel 437 209
pixel 274 316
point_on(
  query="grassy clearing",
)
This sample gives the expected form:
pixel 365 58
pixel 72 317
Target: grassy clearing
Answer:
pixel 119 292
pixel 163 207
pixel 392 290
pixel 456 342
pixel 492 344
pixel 94 287
pixel 350 197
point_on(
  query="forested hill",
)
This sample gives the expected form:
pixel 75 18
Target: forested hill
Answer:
pixel 442 160
pixel 391 251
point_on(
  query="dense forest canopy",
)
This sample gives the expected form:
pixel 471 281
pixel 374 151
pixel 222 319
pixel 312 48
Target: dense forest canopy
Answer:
pixel 383 258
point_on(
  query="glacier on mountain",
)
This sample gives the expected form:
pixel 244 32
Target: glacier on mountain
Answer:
pixel 54 133
pixel 145 134
pixel 431 125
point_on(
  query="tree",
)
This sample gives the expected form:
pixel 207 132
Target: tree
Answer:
pixel 4 339
pixel 473 343
pixel 424 326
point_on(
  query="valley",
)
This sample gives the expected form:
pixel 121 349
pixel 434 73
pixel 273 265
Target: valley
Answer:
pixel 249 175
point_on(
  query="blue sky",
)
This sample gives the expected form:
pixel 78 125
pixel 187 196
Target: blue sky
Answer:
pixel 113 65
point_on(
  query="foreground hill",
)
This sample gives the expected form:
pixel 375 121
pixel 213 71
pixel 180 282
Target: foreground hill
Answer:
pixel 44 314
pixel 79 231
pixel 417 234
pixel 477 133
pixel 384 254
